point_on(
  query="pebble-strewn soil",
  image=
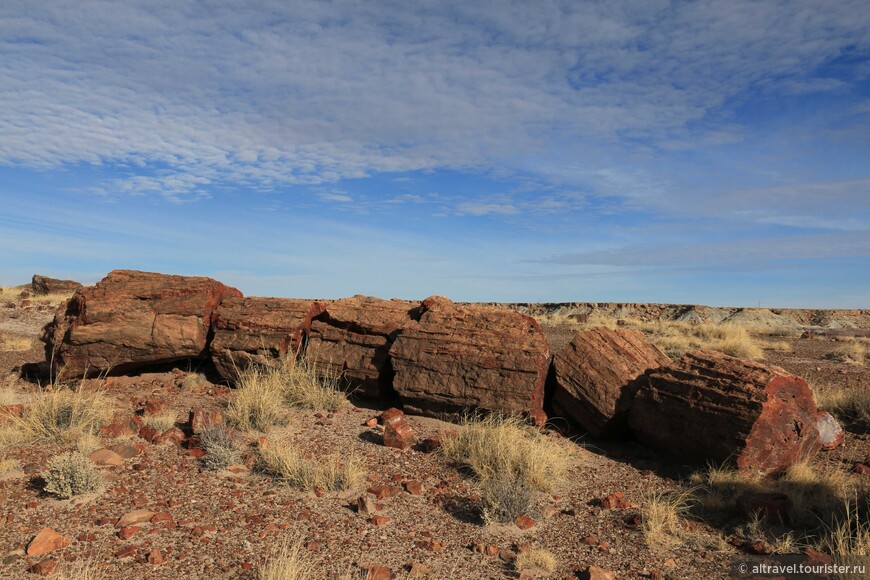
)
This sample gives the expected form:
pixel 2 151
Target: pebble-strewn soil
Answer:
pixel 222 525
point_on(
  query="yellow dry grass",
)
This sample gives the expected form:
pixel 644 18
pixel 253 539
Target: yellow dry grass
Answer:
pixel 263 391
pixel 161 421
pixel 80 570
pixel 15 342
pixel 852 352
pixel 535 558
pixel 847 537
pixel 63 415
pixel 331 472
pixel 13 294
pixel 496 446
pixel 662 514
pixel 9 466
pixel 849 403
pixel 291 562
pixel 677 338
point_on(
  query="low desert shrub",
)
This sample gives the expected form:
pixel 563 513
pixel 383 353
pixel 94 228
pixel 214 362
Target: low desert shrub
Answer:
pixel 536 559
pixel 331 472
pixel 221 447
pixel 505 498
pixel 499 446
pixel 64 415
pixel 291 562
pixel 162 421
pixel 71 474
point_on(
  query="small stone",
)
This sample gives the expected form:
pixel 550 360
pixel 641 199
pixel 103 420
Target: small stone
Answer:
pixel 431 444
pixel 161 517
pixel 202 418
pixel 128 532
pixel 524 522
pixel 44 568
pixel 418 570
pixel 371 422
pixel 384 491
pixel 615 500
pixel 389 414
pixel 506 555
pixel 380 520
pixel 414 487
pixel 596 573
pixel 134 517
pixel 106 458
pixel 126 450
pixel 398 434
pixel 590 540
pixel 152 407
pixel 378 573
pixel 366 506
pixel 47 540
pixel 155 557
pixel 172 435
pixel 125 552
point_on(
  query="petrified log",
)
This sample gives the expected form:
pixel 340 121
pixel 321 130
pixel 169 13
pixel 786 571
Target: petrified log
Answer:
pixel 598 373
pixel 258 331
pixel 131 319
pixel 459 357
pixel 713 407
pixel 45 285
pixel 352 337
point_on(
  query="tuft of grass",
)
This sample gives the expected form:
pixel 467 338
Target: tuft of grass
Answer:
pixel 290 562
pixel 161 421
pixel 7 396
pixel 263 392
pixel 847 536
pixel 80 570
pixel 330 472
pixel 662 514
pixel 677 338
pixel 852 352
pixel 9 466
pixel 258 400
pixel 506 498
pixel 500 446
pixel 536 559
pixel 221 447
pixel 71 474
pixel 63 415
pixel 15 342
pixel 88 442
pixel 849 403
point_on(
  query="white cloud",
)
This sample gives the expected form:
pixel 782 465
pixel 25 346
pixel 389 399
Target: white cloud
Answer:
pixel 182 97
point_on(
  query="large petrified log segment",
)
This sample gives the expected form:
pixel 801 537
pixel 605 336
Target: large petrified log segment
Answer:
pixel 713 407
pixel 351 339
pixel 470 357
pixel 258 331
pixel 45 285
pixel 598 373
pixel 131 319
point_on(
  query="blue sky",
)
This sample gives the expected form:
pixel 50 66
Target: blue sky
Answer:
pixel 711 152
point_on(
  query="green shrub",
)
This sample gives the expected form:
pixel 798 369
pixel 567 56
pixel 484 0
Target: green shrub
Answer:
pixel 71 474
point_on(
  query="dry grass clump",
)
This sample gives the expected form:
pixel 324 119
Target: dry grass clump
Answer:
pixel 64 415
pixel 71 474
pixel 331 472
pixel 15 342
pixel 221 447
pixel 80 570
pixel 7 396
pixel 263 392
pixel 847 537
pixel 8 466
pixel 505 498
pixel 497 446
pixel 161 421
pixel 291 562
pixel 677 338
pixel 852 352
pixel 9 294
pixel 662 514
pixel 849 403
pixel 536 559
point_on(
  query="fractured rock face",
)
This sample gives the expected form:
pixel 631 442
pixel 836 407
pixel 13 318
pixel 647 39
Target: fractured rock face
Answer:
pixel 598 374
pixel 131 319
pixel 258 331
pixel 713 407
pixel 352 338
pixel 460 357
